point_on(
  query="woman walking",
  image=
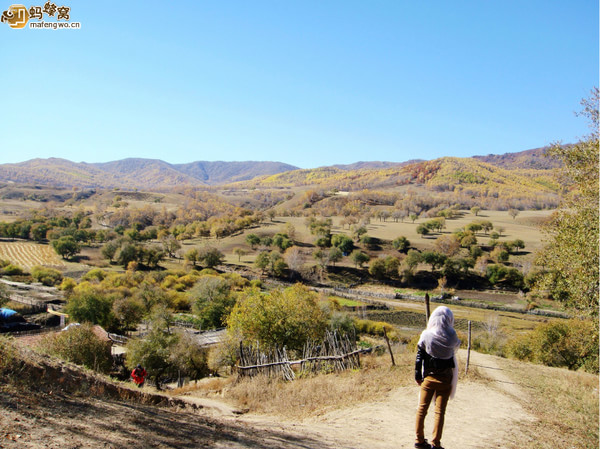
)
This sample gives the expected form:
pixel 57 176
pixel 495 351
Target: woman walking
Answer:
pixel 436 372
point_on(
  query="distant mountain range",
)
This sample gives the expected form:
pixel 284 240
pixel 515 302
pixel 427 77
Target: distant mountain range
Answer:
pixel 135 173
pixel 534 159
pixel 138 173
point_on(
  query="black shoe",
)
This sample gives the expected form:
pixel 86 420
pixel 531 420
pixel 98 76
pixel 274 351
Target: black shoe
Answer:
pixel 437 447
pixel 423 445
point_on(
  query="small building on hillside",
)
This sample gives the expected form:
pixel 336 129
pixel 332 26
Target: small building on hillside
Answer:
pixel 11 321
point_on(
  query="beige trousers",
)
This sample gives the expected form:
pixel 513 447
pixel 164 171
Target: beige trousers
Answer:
pixel 440 387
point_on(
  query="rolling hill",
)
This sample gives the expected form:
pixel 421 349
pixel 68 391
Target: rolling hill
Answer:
pixel 534 159
pixel 528 172
pixel 439 174
pixel 134 173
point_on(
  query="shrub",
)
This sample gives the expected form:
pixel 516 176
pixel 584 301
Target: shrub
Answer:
pixel 11 270
pixel 80 345
pixel 94 273
pixel 375 328
pixel 572 344
pixel 47 276
pixel 67 285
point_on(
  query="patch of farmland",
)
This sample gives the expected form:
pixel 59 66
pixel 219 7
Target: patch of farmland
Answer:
pixel 28 254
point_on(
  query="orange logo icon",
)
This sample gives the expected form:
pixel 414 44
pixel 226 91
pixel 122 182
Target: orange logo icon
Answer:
pixel 16 16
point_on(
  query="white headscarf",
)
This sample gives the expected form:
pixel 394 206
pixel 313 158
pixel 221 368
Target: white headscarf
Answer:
pixel 440 339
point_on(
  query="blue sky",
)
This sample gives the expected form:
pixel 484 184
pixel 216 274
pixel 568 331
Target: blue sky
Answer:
pixel 309 83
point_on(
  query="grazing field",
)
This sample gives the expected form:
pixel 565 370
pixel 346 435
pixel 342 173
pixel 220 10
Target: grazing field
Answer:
pixel 525 226
pixel 28 254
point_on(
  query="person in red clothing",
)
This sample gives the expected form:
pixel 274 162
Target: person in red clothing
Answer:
pixel 139 376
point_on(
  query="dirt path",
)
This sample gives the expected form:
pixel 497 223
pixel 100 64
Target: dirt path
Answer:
pixel 480 415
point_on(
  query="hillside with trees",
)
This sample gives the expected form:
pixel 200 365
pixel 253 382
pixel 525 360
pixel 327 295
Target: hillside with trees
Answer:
pixel 296 265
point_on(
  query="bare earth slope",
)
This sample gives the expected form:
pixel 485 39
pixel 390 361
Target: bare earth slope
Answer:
pixel 481 415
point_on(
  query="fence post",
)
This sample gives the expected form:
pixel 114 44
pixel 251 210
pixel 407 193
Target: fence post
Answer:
pixel 427 312
pixel 389 346
pixel 468 349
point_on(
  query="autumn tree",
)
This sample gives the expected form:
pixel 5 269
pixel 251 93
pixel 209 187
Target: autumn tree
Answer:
pixel 262 261
pixel 192 256
pixel 571 255
pixel 377 268
pixel 66 246
pixel 211 300
pixel 210 257
pixel 129 311
pixel 343 242
pixel 240 252
pixel 171 245
pixel 412 260
pixel 401 244
pixel 280 318
pixel 109 249
pixel 253 240
pixel 433 258
pixel 422 230
pixel 294 258
pixel 334 255
pixel 359 258
pixel 282 241
pixel 91 305
pixel 447 245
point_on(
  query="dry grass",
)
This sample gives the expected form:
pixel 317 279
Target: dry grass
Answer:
pixel 209 386
pixel 564 402
pixel 314 395
pixel 317 394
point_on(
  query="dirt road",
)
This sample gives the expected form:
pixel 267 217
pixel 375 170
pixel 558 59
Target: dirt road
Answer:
pixel 481 415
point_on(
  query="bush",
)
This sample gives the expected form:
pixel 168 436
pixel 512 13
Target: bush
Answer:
pixel 67 285
pixel 47 276
pixel 94 273
pixel 572 344
pixel 91 306
pixel 375 328
pixel 80 345
pixel 289 317
pixel 11 270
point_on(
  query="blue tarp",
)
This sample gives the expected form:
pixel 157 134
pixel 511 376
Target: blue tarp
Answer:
pixel 6 313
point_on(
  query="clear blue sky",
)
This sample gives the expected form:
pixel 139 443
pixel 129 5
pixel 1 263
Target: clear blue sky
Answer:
pixel 305 82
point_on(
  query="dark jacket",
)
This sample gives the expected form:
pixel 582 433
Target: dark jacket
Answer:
pixel 426 365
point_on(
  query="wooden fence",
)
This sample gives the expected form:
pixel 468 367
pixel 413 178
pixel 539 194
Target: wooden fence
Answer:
pixel 43 330
pixel 335 353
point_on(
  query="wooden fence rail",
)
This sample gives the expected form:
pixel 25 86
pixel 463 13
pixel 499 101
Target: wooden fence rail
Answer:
pixel 310 359
pixel 334 353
